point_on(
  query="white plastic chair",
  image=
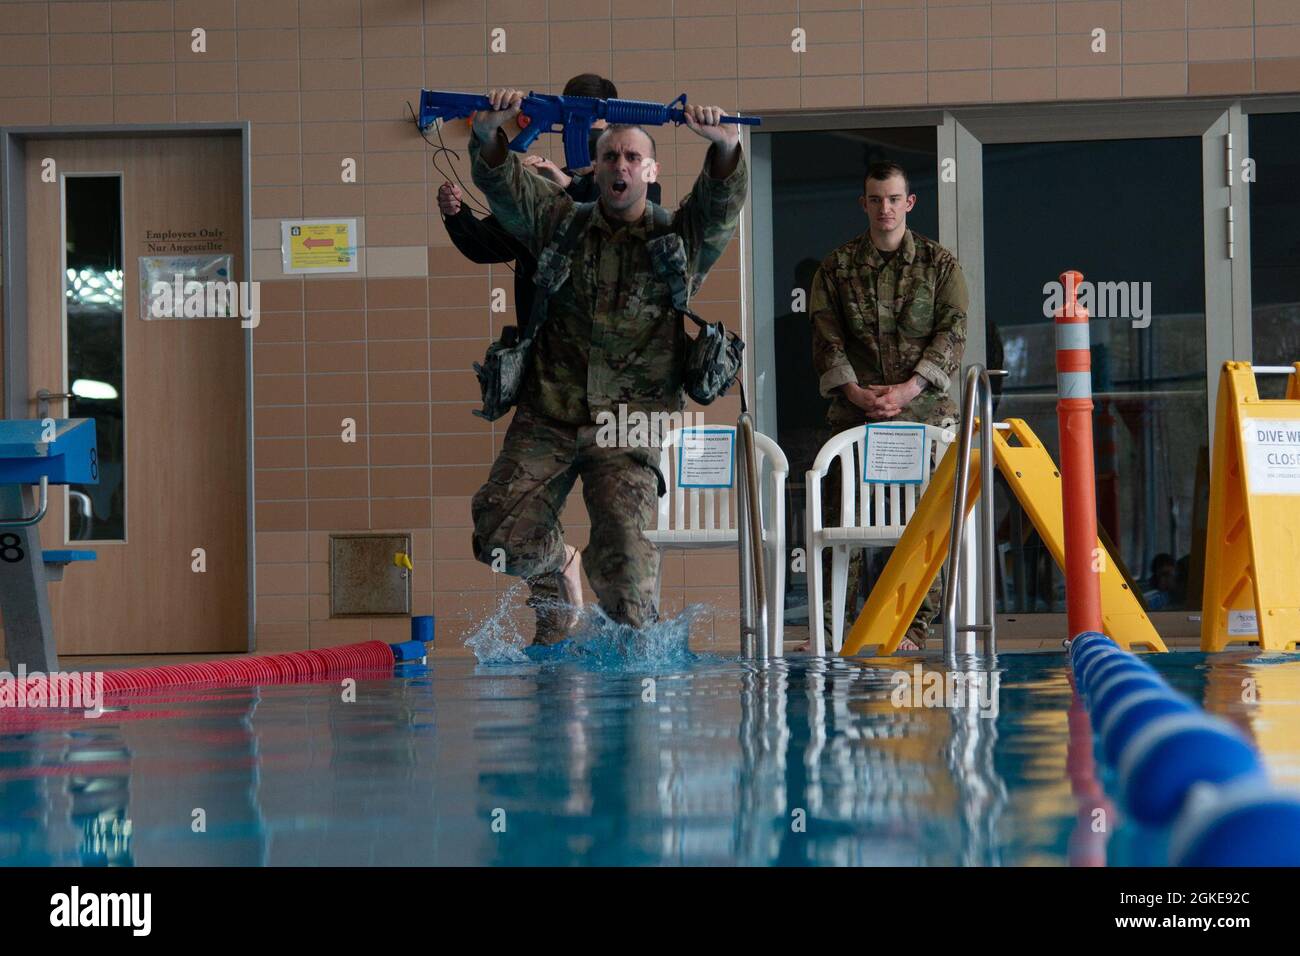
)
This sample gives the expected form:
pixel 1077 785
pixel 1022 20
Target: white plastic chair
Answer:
pixel 879 513
pixel 693 518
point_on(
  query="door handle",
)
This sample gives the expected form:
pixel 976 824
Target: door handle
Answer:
pixel 45 396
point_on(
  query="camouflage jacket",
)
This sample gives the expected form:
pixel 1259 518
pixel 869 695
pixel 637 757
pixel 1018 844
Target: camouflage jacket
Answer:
pixel 613 336
pixel 878 323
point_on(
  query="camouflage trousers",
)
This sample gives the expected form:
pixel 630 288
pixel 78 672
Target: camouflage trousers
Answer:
pixel 922 626
pixel 517 519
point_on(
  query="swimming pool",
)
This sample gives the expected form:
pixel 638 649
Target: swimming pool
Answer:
pixel 602 758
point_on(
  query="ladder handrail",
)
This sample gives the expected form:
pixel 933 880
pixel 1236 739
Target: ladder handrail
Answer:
pixel 978 388
pixel 749 526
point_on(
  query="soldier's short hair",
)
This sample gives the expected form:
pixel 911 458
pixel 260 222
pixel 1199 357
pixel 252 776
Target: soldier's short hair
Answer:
pixel 618 127
pixel 886 170
pixel 591 84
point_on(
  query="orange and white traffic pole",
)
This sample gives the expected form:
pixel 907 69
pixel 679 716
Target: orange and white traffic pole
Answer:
pixel 1078 488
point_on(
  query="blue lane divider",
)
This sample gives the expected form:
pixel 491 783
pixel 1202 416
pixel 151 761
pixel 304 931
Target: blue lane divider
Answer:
pixel 1178 766
pixel 1245 825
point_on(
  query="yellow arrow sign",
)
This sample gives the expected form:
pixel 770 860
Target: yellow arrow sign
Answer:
pixel 319 246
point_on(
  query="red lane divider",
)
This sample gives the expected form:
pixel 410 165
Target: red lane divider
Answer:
pixel 39 692
pixel 265 669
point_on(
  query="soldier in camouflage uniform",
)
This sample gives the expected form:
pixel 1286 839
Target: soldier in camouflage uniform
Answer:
pixel 613 336
pixel 888 316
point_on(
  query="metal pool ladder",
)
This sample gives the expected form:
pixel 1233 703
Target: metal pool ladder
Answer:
pixel 754 629
pixel 977 389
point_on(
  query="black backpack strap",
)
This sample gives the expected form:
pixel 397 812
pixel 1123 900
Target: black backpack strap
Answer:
pixel 556 252
pixel 662 221
pixel 713 359
pixel 577 226
pixel 673 273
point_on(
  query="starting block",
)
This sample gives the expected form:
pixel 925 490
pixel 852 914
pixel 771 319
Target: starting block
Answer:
pixel 42 453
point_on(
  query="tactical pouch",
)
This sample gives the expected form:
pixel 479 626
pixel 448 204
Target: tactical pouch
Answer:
pixel 501 373
pixel 712 361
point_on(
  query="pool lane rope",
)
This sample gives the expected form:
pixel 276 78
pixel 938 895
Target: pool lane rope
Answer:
pixel 245 670
pixel 1180 767
pixel 1176 765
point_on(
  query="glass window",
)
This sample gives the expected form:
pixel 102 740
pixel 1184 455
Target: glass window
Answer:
pixel 817 179
pixel 1275 245
pixel 93 342
pixel 1128 215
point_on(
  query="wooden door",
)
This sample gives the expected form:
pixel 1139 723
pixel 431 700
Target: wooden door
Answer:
pixel 183 433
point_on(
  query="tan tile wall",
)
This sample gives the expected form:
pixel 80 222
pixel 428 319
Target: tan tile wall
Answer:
pixel 326 80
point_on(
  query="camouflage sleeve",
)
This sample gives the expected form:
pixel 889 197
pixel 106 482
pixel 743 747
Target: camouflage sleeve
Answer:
pixel 830 360
pixel 527 206
pixel 941 359
pixel 706 219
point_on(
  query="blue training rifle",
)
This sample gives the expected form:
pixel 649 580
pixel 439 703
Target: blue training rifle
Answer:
pixel 571 115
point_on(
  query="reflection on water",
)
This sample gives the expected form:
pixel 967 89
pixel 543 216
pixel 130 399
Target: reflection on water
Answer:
pixel 672 759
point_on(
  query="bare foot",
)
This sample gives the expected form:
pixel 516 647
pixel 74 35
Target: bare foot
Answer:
pixel 573 583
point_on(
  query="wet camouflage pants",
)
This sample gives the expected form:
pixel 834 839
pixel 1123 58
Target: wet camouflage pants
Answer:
pixel 922 626
pixel 518 512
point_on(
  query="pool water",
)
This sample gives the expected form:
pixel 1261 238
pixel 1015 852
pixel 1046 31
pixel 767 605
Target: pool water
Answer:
pixel 592 754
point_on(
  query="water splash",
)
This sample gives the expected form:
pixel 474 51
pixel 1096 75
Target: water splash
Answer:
pixel 597 642
pixel 497 639
pixel 602 644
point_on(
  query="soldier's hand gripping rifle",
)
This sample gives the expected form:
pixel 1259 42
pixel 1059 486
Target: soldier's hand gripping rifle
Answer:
pixel 571 115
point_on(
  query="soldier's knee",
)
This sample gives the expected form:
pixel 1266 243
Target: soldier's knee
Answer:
pixel 497 546
pixel 496 529
pixel 487 525
pixel 487 548
pixel 516 547
pixel 495 543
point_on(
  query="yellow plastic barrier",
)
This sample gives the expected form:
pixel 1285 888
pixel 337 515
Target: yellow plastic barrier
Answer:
pixel 1252 544
pixel 920 553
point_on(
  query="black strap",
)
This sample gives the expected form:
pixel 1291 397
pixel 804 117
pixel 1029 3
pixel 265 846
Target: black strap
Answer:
pixel 662 225
pixel 661 221
pixel 568 239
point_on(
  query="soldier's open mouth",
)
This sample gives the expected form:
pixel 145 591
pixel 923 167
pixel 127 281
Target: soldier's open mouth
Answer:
pixel 619 186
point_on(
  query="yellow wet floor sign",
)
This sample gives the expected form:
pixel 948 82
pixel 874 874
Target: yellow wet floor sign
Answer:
pixel 920 552
pixel 1252 543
